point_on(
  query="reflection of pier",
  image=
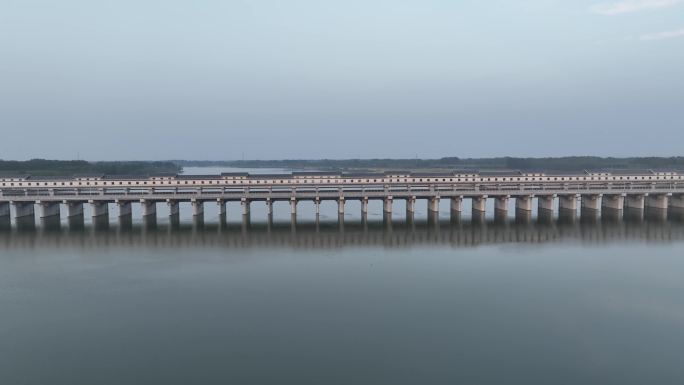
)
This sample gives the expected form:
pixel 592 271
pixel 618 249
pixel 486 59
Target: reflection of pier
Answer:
pixel 336 235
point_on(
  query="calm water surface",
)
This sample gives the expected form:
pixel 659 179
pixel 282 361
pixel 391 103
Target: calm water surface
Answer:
pixel 578 302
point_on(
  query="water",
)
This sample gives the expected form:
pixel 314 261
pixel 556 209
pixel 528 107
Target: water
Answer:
pixel 496 302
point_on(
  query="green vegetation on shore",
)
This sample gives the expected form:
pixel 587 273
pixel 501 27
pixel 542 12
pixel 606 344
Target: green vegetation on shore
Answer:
pixel 44 167
pixel 572 163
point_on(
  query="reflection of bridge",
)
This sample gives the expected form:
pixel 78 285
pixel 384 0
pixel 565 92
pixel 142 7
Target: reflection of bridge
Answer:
pixel 594 190
pixel 331 235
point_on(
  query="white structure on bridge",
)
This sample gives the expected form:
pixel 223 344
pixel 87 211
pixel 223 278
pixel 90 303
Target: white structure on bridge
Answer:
pixel 594 190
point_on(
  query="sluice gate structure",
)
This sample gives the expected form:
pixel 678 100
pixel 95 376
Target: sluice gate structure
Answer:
pixel 590 191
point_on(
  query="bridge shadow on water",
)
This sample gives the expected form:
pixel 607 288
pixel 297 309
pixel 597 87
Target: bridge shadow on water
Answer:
pixel 589 227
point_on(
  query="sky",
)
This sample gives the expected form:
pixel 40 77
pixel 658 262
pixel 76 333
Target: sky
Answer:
pixel 273 79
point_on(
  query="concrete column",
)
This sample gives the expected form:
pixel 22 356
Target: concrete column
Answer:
pixel 125 208
pixel 74 209
pixel 501 203
pixel 293 206
pixel 411 204
pixel 269 207
pixel 245 206
pixel 317 204
pixel 613 201
pixel 197 207
pixel 657 201
pixel 340 206
pixel 591 202
pixel 635 201
pixel 49 209
pixel 523 203
pixel 433 204
pixel 23 209
pixel 387 205
pixel 221 207
pixel 479 204
pixel 99 208
pixel 456 204
pixel 174 207
pixel 149 208
pixel 545 203
pixel 677 201
pixel 567 202
pixel 364 206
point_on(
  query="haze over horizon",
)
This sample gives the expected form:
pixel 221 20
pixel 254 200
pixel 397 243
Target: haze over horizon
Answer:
pixel 354 79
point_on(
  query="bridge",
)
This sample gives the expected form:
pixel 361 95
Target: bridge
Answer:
pixel 593 191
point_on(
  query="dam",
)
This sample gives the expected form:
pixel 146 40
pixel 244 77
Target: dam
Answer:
pixel 588 190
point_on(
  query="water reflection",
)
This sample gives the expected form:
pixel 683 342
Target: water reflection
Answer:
pixel 455 232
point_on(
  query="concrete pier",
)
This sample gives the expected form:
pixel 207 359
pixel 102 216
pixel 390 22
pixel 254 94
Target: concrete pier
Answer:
pixel 545 203
pixel 677 201
pixel 500 217
pixel 125 208
pixel 433 218
pixel 293 206
pixel 197 208
pixel 612 202
pixel 501 204
pixel 657 201
pixel 50 219
pixel 387 205
pixel 99 208
pixel 174 213
pixel 567 202
pixel 523 203
pixel 433 204
pixel 174 207
pixel 149 208
pixel 635 201
pixel 221 205
pixel 317 204
pixel 479 204
pixel 340 206
pixel 411 205
pixel 269 207
pixel 74 209
pixel 591 202
pixel 49 209
pixel 24 209
pixel 478 216
pixel 523 216
pixel 364 207
pixel 244 203
pixel 456 204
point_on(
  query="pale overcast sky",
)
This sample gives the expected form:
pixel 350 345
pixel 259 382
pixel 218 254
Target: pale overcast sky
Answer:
pixel 171 79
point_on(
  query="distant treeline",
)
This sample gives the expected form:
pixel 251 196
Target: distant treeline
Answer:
pixel 44 167
pixel 571 163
